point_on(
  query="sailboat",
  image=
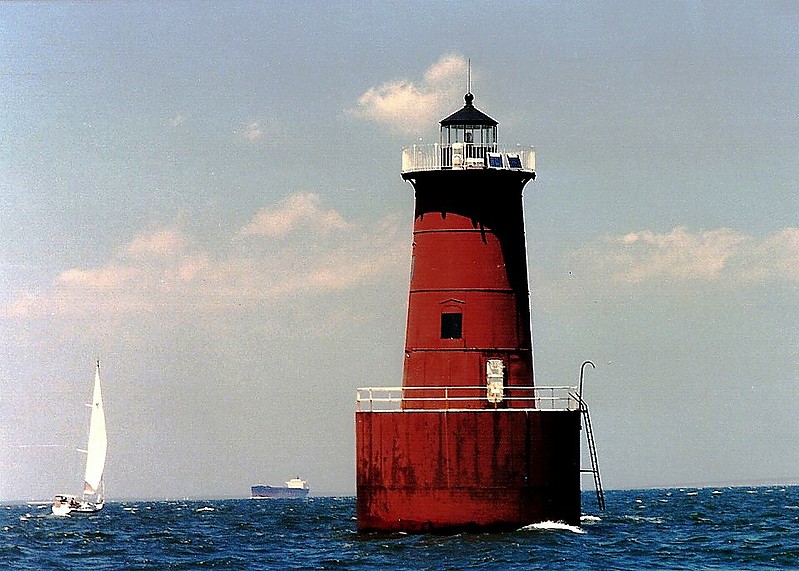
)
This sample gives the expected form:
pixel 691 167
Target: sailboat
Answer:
pixel 92 499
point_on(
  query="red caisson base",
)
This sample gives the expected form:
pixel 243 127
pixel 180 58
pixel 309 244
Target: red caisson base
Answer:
pixel 460 470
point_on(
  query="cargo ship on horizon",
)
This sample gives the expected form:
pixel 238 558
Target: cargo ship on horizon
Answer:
pixel 295 489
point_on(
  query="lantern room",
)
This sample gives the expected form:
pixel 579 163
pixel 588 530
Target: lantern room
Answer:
pixel 470 126
pixel 467 140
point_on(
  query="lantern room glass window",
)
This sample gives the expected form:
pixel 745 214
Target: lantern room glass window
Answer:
pixel 480 135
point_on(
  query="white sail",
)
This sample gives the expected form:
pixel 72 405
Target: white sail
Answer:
pixel 98 442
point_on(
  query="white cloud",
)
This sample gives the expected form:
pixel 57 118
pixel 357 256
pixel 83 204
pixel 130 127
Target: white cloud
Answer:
pixel 295 211
pixel 164 272
pixel 680 255
pixel 253 131
pixel 177 120
pixel 446 70
pixel 410 107
pixel 775 257
pixel 164 242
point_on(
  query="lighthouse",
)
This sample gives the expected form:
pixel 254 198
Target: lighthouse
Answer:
pixel 469 440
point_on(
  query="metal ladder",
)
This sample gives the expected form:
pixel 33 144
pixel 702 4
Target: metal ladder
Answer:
pixel 589 433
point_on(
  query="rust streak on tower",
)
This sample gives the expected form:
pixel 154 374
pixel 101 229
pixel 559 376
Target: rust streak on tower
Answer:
pixel 468 441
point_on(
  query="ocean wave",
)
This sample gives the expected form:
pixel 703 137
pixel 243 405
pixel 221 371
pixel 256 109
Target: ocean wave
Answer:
pixel 552 526
pixel 734 530
pixel 647 519
pixel 591 518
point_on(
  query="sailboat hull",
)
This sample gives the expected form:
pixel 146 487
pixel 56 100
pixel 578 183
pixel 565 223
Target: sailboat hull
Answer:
pixel 66 504
pixel 60 509
pixel 88 508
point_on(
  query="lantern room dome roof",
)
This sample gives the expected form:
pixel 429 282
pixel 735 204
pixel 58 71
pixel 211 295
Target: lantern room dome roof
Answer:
pixel 468 115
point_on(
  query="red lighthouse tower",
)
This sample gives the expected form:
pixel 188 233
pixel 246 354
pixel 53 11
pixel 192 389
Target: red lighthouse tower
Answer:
pixel 468 440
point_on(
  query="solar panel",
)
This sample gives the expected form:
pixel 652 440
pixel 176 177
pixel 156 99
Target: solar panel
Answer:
pixel 514 161
pixel 494 161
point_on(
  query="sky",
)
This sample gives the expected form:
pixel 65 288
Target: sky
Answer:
pixel 206 196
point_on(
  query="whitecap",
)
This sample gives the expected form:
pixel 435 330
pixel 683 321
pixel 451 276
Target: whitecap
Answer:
pixel 647 519
pixel 205 509
pixel 590 518
pixel 552 526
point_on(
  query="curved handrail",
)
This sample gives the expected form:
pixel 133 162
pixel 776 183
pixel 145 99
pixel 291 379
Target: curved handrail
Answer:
pixel 582 371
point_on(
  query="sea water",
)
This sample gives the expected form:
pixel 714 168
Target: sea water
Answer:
pixel 686 528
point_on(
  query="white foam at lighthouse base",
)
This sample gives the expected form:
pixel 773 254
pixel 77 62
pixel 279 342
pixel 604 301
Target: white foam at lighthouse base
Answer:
pixel 552 526
pixel 590 518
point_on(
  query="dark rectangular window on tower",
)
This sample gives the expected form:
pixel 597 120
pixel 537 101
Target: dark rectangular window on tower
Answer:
pixel 451 325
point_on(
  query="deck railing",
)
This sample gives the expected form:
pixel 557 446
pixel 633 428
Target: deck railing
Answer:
pixel 466 156
pixel 413 399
